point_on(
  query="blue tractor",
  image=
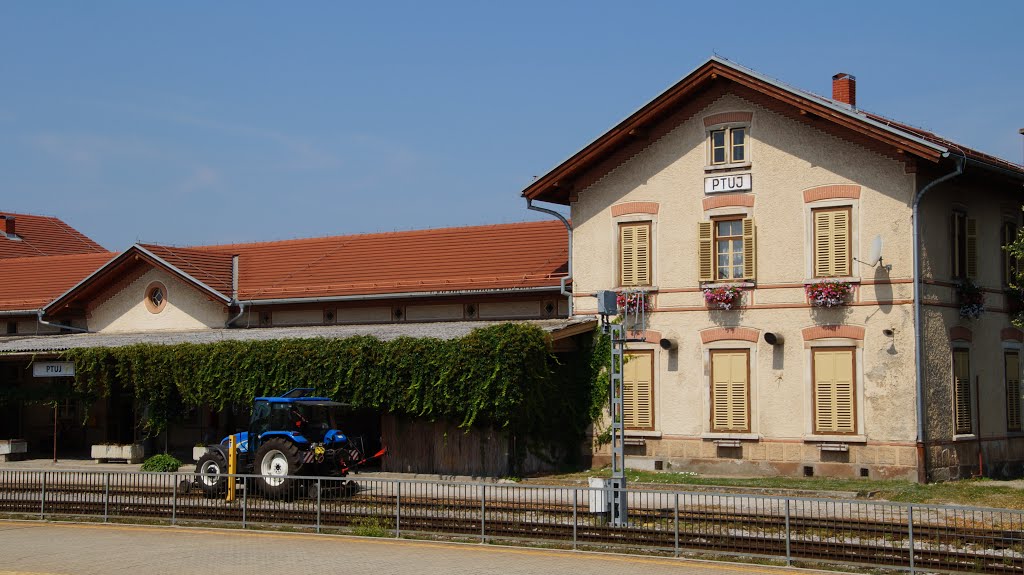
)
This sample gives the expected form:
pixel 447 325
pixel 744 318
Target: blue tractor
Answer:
pixel 294 434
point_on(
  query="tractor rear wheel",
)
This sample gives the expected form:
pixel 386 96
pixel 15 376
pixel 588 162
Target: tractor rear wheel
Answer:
pixel 211 470
pixel 276 460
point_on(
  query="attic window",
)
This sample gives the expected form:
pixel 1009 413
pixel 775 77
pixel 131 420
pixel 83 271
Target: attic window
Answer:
pixel 156 297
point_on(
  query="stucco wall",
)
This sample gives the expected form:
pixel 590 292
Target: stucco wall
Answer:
pixel 186 308
pixel 786 159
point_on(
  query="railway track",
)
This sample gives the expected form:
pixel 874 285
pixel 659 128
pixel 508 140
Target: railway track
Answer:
pixel 660 529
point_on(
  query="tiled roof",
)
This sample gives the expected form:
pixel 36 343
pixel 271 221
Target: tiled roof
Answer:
pixel 384 332
pixel 44 236
pixel 504 256
pixel 30 283
pixel 210 267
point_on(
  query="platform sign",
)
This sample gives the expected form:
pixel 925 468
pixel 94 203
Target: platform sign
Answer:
pixel 732 183
pixel 53 369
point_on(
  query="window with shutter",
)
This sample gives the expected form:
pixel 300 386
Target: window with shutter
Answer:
pixel 733 250
pixel 958 244
pixel 834 407
pixel 1008 236
pixel 638 391
pixel 730 390
pixel 972 248
pixel 635 254
pixel 832 239
pixel 1011 365
pixel 705 251
pixel 962 411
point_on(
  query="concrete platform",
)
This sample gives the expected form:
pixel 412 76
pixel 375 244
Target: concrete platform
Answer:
pixel 29 547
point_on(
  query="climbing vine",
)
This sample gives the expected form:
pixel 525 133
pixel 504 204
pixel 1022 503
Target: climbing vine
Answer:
pixel 502 376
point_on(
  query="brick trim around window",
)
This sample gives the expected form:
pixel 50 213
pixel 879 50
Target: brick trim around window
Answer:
pixel 728 201
pixel 634 208
pixel 959 332
pixel 832 192
pixel 729 333
pixel 833 331
pixel 728 118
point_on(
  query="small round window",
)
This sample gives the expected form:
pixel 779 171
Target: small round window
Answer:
pixel 156 297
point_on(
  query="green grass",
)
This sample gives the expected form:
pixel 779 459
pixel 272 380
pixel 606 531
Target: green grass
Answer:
pixel 972 492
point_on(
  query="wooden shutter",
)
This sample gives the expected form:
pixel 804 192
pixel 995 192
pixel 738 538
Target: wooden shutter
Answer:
pixel 962 391
pixel 635 254
pixel 1011 362
pixel 705 251
pixel 832 243
pixel 972 248
pixel 730 396
pixel 834 410
pixel 637 391
pixel 749 250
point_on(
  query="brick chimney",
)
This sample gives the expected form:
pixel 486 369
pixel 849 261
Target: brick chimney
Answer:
pixel 7 224
pixel 844 89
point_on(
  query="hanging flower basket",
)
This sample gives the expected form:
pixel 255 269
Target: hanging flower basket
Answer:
pixel 632 302
pixel 723 297
pixel 971 299
pixel 828 293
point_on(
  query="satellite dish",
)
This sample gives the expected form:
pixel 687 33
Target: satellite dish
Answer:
pixel 876 251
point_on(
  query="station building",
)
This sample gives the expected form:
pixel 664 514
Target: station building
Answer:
pixel 771 233
pixel 439 283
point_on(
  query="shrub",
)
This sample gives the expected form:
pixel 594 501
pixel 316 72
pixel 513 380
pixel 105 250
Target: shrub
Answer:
pixel 162 463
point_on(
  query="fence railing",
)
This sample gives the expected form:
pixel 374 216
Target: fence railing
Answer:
pixel 791 529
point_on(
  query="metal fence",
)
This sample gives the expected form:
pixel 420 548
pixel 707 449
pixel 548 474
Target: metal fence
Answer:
pixel 915 537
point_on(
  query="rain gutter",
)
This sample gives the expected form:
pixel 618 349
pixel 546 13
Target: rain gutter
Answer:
pixel 568 228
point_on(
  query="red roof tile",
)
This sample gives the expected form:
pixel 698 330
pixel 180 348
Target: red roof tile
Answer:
pixel 30 283
pixel 44 236
pixel 211 268
pixel 506 256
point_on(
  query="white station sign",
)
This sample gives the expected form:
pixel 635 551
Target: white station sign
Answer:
pixel 730 183
pixel 53 369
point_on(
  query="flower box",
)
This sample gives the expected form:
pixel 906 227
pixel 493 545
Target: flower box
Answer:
pixel 127 452
pixel 971 299
pixel 632 302
pixel 722 297
pixel 828 293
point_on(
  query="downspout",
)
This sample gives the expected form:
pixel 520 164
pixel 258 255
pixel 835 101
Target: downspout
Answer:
pixel 234 292
pixel 568 228
pixel 922 473
pixel 39 318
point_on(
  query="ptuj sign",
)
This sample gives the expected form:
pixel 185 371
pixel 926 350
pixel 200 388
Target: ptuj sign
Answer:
pixel 53 369
pixel 730 183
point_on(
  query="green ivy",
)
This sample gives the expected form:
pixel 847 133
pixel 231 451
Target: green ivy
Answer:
pixel 502 376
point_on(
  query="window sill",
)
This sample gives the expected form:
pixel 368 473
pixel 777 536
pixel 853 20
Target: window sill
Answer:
pixel 712 285
pixel 726 167
pixel 835 439
pixel 643 433
pixel 847 279
pixel 965 437
pixel 648 289
pixel 742 436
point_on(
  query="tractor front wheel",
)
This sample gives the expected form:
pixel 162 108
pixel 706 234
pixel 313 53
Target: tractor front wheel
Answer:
pixel 212 474
pixel 276 460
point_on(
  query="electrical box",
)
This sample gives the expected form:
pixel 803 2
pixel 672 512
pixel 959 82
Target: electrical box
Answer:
pixel 607 302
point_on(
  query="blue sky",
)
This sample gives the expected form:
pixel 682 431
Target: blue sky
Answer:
pixel 205 122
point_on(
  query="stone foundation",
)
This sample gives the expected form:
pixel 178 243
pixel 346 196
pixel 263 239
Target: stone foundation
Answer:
pixel 766 458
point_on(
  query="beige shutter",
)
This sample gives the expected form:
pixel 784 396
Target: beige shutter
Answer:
pixel 972 248
pixel 834 391
pixel 729 391
pixel 1013 406
pixel 635 254
pixel 962 391
pixel 643 255
pixel 841 242
pixel 705 252
pixel 823 244
pixel 637 384
pixel 749 250
pixel 832 243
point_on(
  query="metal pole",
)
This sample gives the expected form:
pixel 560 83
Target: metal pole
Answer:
pixel 42 499
pixel 106 496
pixel 574 515
pixel 318 501
pixel 174 500
pixel 675 522
pixel 789 551
pixel 910 533
pixel 398 510
pixel 245 497
pixel 483 513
